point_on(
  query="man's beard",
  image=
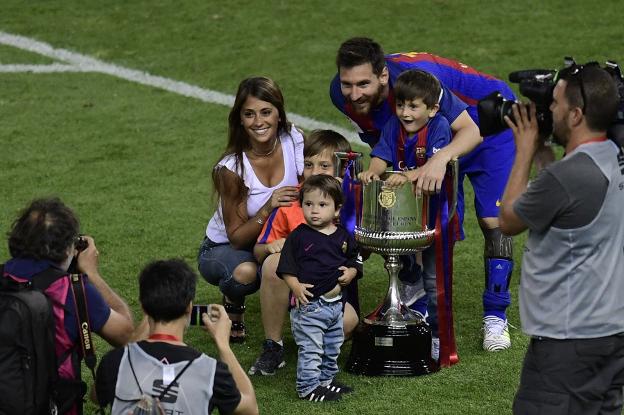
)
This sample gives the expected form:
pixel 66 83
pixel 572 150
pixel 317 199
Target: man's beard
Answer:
pixel 560 134
pixel 371 102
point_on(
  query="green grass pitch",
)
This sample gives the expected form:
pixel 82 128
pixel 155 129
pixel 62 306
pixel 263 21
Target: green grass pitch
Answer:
pixel 134 160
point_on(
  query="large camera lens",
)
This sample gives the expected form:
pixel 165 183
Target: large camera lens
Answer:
pixel 492 110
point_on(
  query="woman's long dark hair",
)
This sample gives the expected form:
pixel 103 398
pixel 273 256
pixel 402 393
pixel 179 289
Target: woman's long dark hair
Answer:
pixel 264 89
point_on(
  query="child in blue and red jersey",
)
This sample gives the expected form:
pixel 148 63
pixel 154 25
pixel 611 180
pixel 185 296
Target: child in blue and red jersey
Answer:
pixel 415 132
pixel 413 135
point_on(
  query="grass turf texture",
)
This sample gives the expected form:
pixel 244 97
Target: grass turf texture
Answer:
pixel 135 161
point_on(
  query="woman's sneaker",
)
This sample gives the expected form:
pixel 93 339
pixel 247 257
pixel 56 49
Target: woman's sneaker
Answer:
pixel 271 359
pixel 321 394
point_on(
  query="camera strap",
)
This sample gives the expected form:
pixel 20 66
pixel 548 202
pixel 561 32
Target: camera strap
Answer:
pixel 82 316
pixel 78 292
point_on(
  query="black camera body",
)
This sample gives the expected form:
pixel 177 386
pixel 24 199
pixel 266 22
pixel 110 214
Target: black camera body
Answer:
pixel 81 243
pixel 537 85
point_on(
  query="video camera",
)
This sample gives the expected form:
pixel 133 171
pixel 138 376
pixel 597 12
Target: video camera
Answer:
pixel 537 85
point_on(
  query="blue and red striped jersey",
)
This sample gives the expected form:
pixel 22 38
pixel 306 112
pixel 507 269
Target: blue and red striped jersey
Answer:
pixel 401 152
pixel 462 87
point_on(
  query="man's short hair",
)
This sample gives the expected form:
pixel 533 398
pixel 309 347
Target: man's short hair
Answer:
pixel 601 95
pixel 320 141
pixel 328 185
pixel 166 288
pixel 416 84
pixel 45 229
pixel 359 51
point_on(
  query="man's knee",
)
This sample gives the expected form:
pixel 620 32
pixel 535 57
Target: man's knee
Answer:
pixel 488 223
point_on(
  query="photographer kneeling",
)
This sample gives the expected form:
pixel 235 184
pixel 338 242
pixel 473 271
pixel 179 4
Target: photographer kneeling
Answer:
pixel 163 366
pixel 572 282
pixel 44 241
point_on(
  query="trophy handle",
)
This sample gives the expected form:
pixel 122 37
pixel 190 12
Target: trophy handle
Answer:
pixel 453 165
pixel 342 157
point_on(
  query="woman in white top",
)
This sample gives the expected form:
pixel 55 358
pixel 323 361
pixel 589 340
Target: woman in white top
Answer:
pixel 257 173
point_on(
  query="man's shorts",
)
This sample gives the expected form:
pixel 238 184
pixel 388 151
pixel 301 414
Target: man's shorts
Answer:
pixel 488 168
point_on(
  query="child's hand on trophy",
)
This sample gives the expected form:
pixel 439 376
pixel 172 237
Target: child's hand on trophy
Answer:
pixel 395 180
pixel 368 176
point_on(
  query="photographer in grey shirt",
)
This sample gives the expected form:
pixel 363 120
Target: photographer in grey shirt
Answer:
pixel 572 279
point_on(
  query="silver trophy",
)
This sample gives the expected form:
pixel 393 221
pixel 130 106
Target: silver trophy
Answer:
pixel 393 340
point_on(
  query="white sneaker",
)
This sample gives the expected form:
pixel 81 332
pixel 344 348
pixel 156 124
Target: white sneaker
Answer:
pixel 435 348
pixel 495 334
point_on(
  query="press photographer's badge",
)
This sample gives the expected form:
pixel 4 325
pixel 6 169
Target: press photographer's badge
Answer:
pixel 168 373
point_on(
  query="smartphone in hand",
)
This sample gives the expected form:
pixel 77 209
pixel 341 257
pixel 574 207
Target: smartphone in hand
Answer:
pixel 196 314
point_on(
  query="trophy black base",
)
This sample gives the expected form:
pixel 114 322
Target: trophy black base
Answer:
pixel 389 350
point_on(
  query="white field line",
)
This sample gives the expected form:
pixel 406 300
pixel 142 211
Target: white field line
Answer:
pixel 76 62
pixel 52 68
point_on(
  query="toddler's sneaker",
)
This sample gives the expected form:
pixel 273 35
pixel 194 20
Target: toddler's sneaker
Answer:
pixel 271 359
pixel 339 387
pixel 321 394
pixel 495 334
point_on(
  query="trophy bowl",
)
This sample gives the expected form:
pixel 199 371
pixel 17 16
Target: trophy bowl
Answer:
pixel 393 220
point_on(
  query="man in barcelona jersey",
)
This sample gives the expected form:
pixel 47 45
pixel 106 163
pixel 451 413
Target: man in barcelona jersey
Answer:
pixel 363 91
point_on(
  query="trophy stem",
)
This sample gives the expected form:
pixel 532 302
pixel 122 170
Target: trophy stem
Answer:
pixel 392 311
pixel 393 266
